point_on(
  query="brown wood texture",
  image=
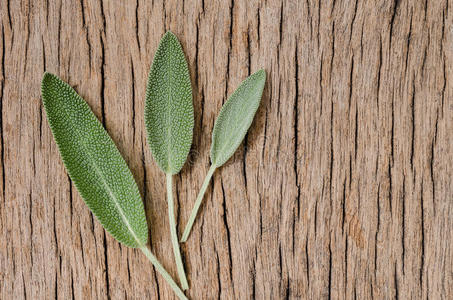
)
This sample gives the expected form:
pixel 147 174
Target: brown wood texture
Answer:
pixel 342 189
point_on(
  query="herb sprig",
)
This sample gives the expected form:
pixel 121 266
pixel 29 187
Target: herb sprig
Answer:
pixel 100 173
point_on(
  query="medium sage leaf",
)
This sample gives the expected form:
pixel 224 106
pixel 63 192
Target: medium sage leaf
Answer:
pixel 169 109
pixel 230 128
pixel 169 122
pixel 235 118
pixel 97 169
pixel 94 164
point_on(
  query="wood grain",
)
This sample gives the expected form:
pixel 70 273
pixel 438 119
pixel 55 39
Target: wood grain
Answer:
pixel 342 188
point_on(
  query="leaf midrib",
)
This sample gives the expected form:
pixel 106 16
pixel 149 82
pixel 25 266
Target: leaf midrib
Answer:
pixel 119 208
pixel 169 76
pixel 168 108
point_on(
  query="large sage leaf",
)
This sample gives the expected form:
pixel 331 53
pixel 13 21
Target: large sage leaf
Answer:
pixel 169 109
pixel 235 118
pixel 94 163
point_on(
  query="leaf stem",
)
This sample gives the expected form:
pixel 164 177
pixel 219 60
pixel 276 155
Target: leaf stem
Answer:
pixel 194 212
pixel 163 272
pixel 174 235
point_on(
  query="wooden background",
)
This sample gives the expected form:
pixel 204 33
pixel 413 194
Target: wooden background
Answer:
pixel 342 189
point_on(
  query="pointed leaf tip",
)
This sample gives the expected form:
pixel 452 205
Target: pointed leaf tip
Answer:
pixel 46 79
pixel 169 34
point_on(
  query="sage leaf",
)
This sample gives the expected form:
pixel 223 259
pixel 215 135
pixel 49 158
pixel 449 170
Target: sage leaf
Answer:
pixel 94 163
pixel 169 115
pixel 230 128
pixel 169 122
pixel 235 118
pixel 97 169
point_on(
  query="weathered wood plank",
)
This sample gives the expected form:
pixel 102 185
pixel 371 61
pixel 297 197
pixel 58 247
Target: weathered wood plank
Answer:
pixel 342 188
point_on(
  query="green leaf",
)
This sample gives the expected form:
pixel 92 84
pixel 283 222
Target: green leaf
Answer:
pixel 231 125
pixel 235 118
pixel 169 108
pixel 94 163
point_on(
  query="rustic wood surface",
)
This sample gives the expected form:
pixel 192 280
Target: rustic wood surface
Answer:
pixel 342 189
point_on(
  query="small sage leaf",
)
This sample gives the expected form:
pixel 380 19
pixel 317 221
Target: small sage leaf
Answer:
pixel 94 164
pixel 231 125
pixel 169 109
pixel 235 118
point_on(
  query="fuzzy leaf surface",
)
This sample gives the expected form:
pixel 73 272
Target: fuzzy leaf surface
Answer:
pixel 235 118
pixel 94 164
pixel 169 116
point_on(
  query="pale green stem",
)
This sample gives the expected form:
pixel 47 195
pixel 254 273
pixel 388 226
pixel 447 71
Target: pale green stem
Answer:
pixel 194 212
pixel 174 235
pixel 163 272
